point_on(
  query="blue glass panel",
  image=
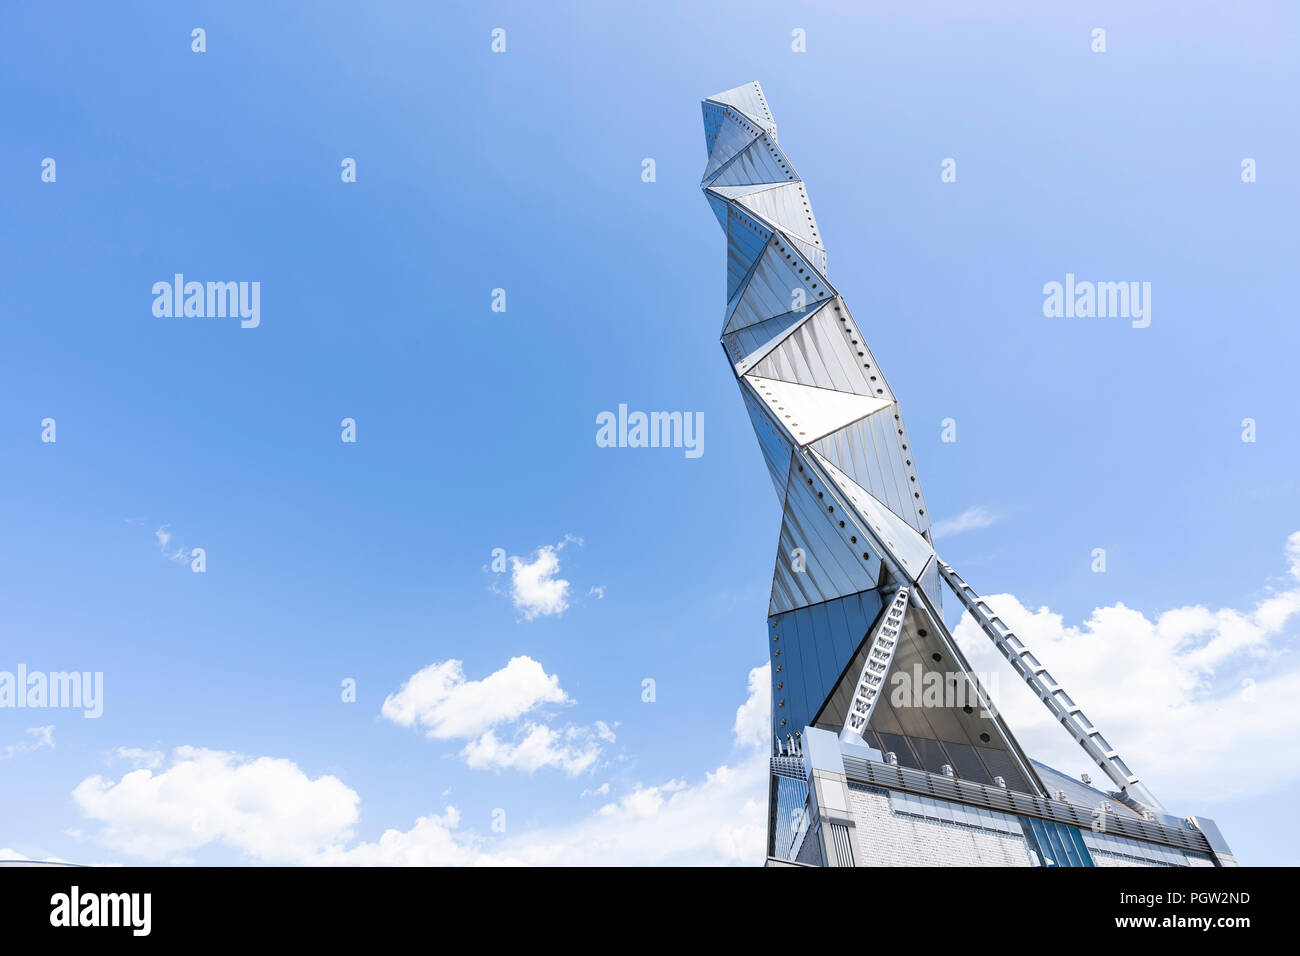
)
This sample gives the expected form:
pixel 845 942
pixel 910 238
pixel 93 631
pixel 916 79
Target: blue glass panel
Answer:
pixel 791 797
pixel 1080 847
pixel 816 645
pixel 1055 843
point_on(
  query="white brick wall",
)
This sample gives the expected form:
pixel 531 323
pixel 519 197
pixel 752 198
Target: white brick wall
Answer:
pixel 1108 849
pixel 886 838
pixel 1101 858
pixel 1110 859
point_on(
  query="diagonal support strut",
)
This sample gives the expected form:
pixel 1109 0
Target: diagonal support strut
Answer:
pixel 1046 688
pixel 880 655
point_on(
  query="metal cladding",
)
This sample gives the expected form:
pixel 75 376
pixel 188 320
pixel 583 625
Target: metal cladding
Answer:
pixel 855 529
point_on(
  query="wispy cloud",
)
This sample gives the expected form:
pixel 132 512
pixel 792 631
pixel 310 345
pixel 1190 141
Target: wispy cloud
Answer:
pixel 164 538
pixel 139 757
pixel 972 519
pixel 42 738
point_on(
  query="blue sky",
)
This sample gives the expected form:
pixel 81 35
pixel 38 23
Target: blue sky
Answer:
pixel 476 429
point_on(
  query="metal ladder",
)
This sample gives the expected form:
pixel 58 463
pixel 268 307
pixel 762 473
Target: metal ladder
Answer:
pixel 1046 688
pixel 880 655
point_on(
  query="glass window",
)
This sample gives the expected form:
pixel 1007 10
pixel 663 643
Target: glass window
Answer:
pixel 1055 844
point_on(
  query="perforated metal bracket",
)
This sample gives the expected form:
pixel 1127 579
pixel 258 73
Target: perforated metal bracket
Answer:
pixel 880 654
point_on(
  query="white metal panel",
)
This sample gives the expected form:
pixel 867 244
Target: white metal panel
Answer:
pixel 859 351
pixel 773 286
pixel 832 566
pixel 787 208
pixel 823 352
pixel 817 256
pixel 871 452
pixel 747 347
pixel 749 99
pixel 809 412
pixel 772 441
pixel 735 192
pixel 760 162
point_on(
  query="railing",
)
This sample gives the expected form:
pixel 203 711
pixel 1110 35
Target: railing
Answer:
pixel 890 777
pixel 788 767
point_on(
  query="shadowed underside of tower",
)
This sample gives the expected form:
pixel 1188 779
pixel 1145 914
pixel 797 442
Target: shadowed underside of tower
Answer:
pixel 855 612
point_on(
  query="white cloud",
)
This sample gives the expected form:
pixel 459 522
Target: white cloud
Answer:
pixel 972 519
pixel 269 810
pixel 266 808
pixel 1204 705
pixel 536 746
pixel 718 820
pixel 753 726
pixel 534 587
pixel 448 706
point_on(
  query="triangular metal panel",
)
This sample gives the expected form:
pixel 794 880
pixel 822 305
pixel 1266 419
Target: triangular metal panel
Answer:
pixel 824 352
pixel 762 161
pixel 817 559
pixel 872 452
pixel 720 208
pixel 809 412
pixel 772 441
pixel 814 254
pixel 930 583
pixel 714 114
pixel 732 136
pixel 748 99
pixel 747 239
pixel 787 208
pixel 773 288
pixel 736 192
pixel 747 347
pixel 911 550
